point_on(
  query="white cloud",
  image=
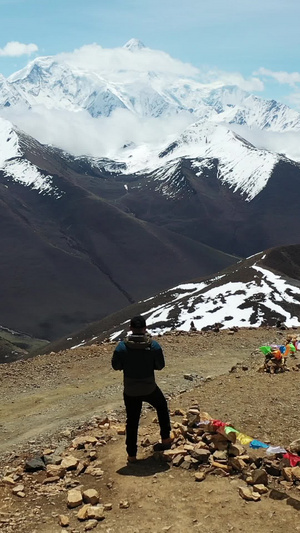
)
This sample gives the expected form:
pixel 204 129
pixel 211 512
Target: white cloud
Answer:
pixel 80 134
pixel 253 84
pixel 289 78
pixel 16 49
pixel 95 58
pixel 287 143
pixel 294 100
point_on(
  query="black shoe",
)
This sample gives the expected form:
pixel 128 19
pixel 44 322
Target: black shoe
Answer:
pixel 161 446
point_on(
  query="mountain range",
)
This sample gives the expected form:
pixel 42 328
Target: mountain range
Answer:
pixel 86 234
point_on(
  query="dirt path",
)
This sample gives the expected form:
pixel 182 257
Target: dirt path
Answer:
pixel 43 395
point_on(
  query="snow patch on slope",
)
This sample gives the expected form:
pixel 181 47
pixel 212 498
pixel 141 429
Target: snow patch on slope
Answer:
pixel 240 165
pixel 231 304
pixel 18 169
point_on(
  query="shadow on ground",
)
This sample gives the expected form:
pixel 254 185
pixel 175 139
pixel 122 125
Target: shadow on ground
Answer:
pixel 144 467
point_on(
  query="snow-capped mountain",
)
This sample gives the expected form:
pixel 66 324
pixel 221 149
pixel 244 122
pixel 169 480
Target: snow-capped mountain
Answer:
pixel 242 166
pixel 214 125
pixel 193 199
pixel 54 82
pixel 263 290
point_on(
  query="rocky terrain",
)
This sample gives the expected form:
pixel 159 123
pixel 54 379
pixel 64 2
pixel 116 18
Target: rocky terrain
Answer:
pixel 64 411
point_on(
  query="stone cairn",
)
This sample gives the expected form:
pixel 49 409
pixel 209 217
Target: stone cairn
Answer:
pixel 200 446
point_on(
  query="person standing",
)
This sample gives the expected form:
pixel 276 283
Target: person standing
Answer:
pixel 138 356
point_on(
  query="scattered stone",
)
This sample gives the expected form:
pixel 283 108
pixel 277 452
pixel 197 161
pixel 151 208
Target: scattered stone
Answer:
pixel 92 456
pixel 91 524
pixel 178 460
pixel 55 470
pixel 53 459
pixel 34 464
pixel 221 466
pixel 69 462
pixel 258 477
pixel 94 471
pixel 178 412
pixel 8 480
pixel 79 442
pixel 261 489
pixel 247 494
pixel 83 512
pixel 17 489
pixel 47 451
pixel 90 496
pixel 200 476
pixel 124 504
pixel 74 498
pixel 287 473
pixel 236 449
pixel 219 455
pixel 107 506
pixel 63 520
pixel 272 469
pixel 53 479
pixel 96 512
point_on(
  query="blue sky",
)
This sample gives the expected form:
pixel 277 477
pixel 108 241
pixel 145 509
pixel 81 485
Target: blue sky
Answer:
pixel 257 38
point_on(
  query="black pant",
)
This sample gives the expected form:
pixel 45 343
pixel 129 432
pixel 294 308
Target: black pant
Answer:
pixel 133 406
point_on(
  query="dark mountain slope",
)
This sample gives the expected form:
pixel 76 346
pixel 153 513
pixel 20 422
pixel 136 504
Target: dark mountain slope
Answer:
pixel 261 290
pixel 209 211
pixel 66 262
pixel 102 240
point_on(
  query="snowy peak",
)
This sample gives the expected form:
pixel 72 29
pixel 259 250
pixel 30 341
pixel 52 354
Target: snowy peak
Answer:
pixel 242 166
pixel 54 82
pixel 16 168
pixel 134 44
pixel 164 115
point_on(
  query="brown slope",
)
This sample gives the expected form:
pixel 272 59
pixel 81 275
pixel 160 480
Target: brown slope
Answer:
pixel 284 261
pixel 207 210
pixel 68 262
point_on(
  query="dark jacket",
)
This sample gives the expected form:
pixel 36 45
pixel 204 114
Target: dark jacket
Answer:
pixel 138 356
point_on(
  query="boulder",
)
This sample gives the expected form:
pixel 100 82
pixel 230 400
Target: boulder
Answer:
pixel 90 496
pixel 258 477
pixel 69 462
pixel 96 512
pixel 55 470
pixel 74 498
pixel 34 464
pixel 83 512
